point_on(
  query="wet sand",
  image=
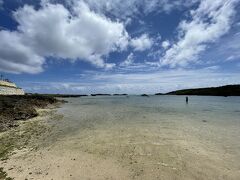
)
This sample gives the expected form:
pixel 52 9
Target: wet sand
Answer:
pixel 105 139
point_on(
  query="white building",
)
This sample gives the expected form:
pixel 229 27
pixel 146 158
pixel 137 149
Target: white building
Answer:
pixel 9 88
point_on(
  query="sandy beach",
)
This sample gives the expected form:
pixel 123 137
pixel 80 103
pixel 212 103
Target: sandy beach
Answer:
pixel 104 139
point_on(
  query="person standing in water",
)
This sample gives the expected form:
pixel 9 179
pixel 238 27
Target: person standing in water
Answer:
pixel 187 99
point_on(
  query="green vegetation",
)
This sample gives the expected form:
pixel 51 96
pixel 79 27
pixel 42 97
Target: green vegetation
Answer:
pixel 229 90
pixel 3 175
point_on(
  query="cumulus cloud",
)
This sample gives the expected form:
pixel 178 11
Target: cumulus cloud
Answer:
pixel 15 57
pixel 142 43
pixel 210 21
pixel 54 31
pixel 80 30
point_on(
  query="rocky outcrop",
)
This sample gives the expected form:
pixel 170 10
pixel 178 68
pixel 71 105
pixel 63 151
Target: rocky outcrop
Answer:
pixel 14 108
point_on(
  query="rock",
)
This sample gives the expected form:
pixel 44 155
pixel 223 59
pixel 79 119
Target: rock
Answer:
pixel 14 108
pixel 24 112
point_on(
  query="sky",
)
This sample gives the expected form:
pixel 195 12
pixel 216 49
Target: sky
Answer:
pixel 119 46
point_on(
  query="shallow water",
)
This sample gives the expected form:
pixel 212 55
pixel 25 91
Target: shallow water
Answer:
pixel 159 136
pixel 156 137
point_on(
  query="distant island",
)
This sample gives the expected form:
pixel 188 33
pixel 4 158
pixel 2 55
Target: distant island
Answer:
pixel 158 94
pixel 100 94
pixel 66 95
pixel 229 90
pixel 120 94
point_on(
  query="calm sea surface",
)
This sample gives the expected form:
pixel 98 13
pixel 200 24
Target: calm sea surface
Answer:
pixel 158 136
pixel 221 112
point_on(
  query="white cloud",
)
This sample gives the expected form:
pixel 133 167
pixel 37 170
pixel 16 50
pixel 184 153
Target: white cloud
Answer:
pixel 227 49
pixel 128 21
pixel 230 48
pixel 210 21
pixel 55 31
pixel 165 44
pixel 151 82
pixel 233 57
pixel 142 43
pixel 212 68
pixel 15 57
pixel 128 61
pixel 130 8
pixel 109 66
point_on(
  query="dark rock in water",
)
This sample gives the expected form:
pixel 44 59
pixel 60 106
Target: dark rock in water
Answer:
pixel 100 94
pixel 204 121
pixel 145 95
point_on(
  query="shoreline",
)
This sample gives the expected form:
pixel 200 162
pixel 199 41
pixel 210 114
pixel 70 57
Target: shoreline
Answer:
pixel 26 137
pixel 23 124
pixel 22 108
pixel 104 139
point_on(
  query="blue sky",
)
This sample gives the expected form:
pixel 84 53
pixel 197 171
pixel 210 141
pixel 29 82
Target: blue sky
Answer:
pixel 114 46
